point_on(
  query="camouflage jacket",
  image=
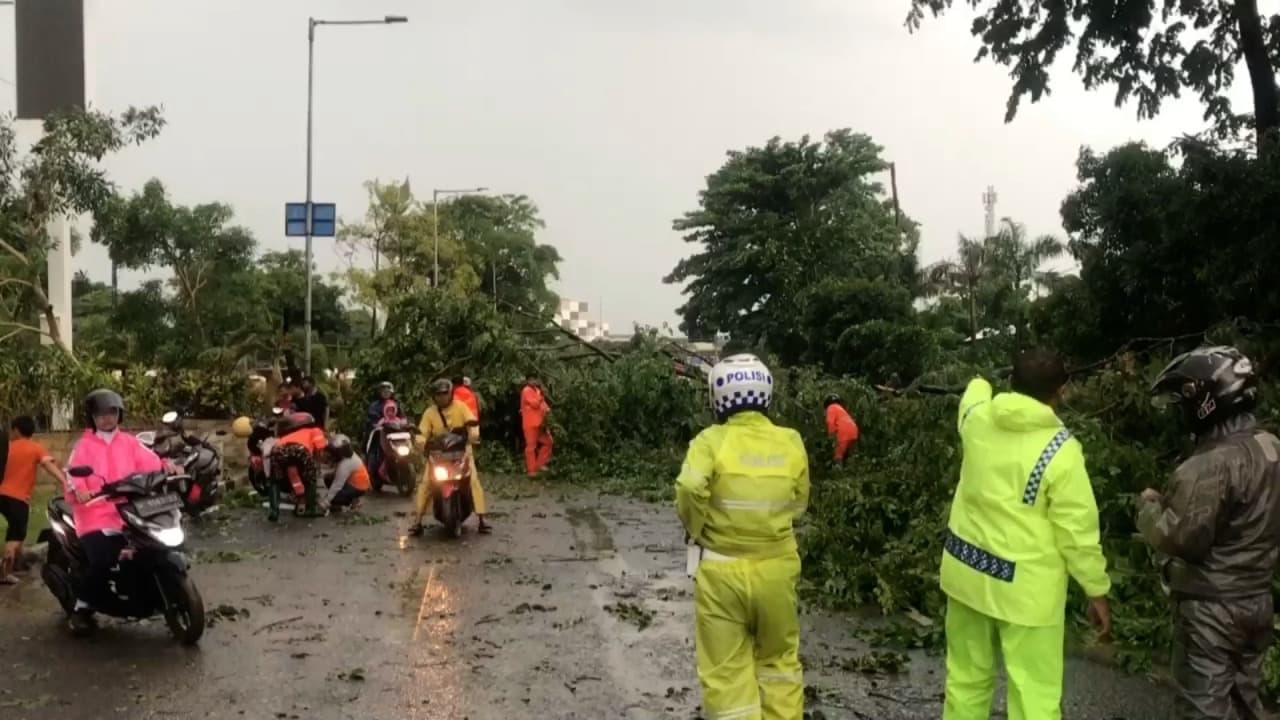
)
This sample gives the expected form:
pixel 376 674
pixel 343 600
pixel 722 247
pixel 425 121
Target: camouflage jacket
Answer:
pixel 1219 522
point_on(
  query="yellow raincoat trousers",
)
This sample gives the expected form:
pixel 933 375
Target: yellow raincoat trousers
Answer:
pixel 1023 520
pixel 742 485
pixel 434 422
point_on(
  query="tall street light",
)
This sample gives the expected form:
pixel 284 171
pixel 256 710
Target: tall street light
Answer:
pixel 311 58
pixel 435 225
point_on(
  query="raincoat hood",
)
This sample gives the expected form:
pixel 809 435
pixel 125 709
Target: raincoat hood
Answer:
pixel 1021 413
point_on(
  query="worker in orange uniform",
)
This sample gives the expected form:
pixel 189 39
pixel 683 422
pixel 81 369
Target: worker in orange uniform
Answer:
pixel 840 424
pixel 463 393
pixel 533 418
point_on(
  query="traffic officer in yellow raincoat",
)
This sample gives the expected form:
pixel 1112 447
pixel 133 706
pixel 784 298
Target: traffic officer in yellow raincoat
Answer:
pixel 742 484
pixel 448 415
pixel 1023 520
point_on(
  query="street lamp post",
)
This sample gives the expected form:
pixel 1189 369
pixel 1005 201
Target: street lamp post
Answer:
pixel 311 58
pixel 435 226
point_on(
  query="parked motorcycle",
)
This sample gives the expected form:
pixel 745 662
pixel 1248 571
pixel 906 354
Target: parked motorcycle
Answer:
pixel 153 580
pixel 200 462
pixel 450 478
pixel 395 440
pixel 259 451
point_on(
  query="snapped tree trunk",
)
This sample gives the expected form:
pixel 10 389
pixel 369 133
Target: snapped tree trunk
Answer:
pixel 1262 78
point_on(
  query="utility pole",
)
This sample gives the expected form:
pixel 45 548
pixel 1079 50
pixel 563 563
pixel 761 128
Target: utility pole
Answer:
pixel 893 184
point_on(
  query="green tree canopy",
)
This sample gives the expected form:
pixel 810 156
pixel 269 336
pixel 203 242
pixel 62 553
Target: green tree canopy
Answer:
pixel 1149 50
pixel 61 175
pixel 777 220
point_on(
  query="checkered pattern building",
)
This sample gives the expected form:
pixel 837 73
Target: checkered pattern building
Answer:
pixel 575 316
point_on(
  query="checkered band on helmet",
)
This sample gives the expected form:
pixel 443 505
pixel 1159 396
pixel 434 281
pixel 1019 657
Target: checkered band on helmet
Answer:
pixel 740 382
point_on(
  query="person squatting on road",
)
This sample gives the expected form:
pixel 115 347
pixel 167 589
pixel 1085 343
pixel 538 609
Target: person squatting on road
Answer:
pixel 743 483
pixel 25 457
pixel 444 416
pixel 1023 520
pixel 1216 535
pixel 533 420
pixel 293 463
pixel 841 426
pixel 113 455
pixel 350 477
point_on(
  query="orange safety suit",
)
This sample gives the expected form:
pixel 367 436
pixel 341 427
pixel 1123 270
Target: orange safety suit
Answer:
pixel 464 395
pixel 537 439
pixel 840 423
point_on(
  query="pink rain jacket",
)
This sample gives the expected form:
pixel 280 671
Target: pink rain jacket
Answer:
pixel 111 462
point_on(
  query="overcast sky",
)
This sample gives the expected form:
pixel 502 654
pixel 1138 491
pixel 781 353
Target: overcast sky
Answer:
pixel 608 113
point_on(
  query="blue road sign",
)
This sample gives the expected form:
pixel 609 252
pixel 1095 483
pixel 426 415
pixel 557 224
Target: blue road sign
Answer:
pixel 295 219
pixel 324 219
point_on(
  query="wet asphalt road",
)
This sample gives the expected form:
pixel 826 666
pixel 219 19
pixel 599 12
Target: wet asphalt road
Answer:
pixel 576 607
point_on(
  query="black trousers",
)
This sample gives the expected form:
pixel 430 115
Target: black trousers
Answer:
pixel 102 552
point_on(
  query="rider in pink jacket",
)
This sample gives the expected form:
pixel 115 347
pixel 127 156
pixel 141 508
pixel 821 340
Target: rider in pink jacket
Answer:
pixel 114 455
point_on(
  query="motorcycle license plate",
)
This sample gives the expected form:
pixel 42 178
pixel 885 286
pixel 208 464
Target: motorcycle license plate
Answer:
pixel 151 506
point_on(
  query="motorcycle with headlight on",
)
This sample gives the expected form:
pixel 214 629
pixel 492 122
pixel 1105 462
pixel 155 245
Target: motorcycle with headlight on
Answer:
pixel 449 472
pixel 396 443
pixel 151 578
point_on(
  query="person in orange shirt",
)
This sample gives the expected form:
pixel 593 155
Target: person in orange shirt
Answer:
pixel 293 461
pixel 840 424
pixel 533 419
pixel 25 455
pixel 463 393
pixel 350 477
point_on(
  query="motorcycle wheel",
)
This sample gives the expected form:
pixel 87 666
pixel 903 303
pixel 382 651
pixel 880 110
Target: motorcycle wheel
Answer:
pixel 58 580
pixel 404 479
pixel 455 515
pixel 184 611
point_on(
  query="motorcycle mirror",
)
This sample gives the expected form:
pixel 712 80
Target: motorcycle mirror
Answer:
pixel 169 418
pixel 80 471
pixel 147 437
pixel 277 411
pixel 220 433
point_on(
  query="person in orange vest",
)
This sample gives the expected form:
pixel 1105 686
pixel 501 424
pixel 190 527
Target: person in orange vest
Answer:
pixel 293 462
pixel 533 419
pixel 463 393
pixel 840 424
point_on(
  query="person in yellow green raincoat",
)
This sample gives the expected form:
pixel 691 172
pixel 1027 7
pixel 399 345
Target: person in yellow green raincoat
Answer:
pixel 448 415
pixel 1023 520
pixel 743 483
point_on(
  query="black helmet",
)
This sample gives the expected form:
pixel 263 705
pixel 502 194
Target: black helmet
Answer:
pixel 441 387
pixel 1208 384
pixel 340 445
pixel 832 399
pixel 102 402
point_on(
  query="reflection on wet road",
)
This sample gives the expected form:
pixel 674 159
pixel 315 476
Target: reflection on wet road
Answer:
pixel 576 607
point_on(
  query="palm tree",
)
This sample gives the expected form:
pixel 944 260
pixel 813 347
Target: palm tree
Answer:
pixel 962 276
pixel 1020 259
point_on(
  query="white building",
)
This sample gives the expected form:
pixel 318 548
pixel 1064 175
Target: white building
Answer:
pixel 575 316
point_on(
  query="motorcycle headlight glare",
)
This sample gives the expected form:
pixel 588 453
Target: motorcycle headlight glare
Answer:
pixel 440 473
pixel 170 536
pixel 402 450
